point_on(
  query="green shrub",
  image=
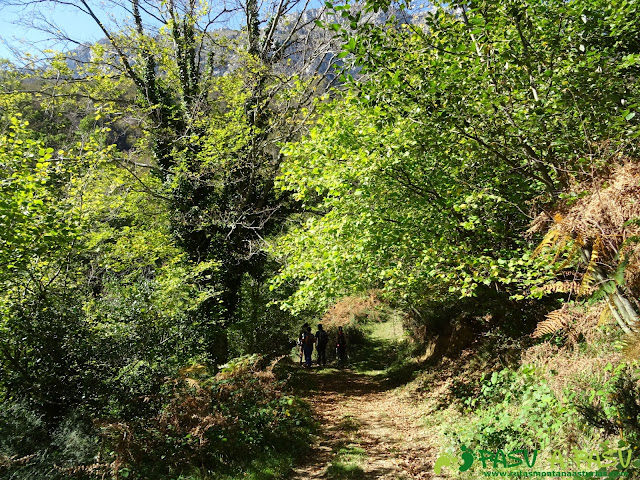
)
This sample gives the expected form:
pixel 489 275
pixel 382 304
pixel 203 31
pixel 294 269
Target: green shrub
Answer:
pixel 516 409
pixel 216 422
pixel 612 404
pixel 31 447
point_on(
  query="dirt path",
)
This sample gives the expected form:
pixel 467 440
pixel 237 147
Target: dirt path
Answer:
pixel 367 431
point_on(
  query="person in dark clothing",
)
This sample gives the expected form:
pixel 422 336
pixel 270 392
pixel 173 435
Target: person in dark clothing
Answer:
pixel 303 332
pixel 322 339
pixel 341 347
pixel 309 340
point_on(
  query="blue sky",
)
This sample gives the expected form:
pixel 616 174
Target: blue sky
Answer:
pixel 76 24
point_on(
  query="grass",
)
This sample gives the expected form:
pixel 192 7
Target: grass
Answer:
pixel 445 383
pixel 385 341
pixel 341 470
pixel 347 463
pixel 267 467
pixel 348 456
pixel 386 354
pixel 559 370
pixel 348 424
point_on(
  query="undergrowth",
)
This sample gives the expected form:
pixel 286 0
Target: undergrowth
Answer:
pixel 559 398
pixel 239 423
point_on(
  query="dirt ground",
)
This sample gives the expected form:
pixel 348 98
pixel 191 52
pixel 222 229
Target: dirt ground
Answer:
pixel 367 431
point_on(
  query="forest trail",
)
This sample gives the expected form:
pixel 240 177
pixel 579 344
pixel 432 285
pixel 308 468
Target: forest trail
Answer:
pixel 366 431
pixel 368 428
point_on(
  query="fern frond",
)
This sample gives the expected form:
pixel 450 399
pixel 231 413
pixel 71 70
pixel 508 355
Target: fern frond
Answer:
pixel 573 252
pixel 554 321
pixel 560 247
pixel 547 242
pixel 560 287
pixel 192 382
pixel 587 278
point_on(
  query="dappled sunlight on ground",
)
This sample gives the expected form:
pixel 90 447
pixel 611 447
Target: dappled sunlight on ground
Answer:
pixel 368 428
pixel 357 413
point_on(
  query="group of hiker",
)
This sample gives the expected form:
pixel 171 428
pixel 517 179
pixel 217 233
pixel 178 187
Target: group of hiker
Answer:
pixel 320 340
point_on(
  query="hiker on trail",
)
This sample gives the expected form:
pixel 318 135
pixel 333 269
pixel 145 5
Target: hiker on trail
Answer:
pixel 307 346
pixel 303 332
pixel 322 339
pixel 341 347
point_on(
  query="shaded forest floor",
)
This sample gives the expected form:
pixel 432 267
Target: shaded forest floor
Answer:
pixel 370 426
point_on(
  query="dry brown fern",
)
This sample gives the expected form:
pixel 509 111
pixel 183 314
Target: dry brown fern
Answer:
pixel 350 309
pixel 597 235
pixel 560 287
pixel 554 321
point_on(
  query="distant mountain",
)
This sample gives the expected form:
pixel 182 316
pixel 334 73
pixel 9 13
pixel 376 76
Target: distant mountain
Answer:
pixel 222 42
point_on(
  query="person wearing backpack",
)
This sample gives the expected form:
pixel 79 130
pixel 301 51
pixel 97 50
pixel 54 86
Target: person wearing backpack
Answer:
pixel 309 340
pixel 322 339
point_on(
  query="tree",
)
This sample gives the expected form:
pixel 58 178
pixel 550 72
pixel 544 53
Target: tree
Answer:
pixel 468 120
pixel 395 210
pixel 94 291
pixel 532 84
pixel 214 138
